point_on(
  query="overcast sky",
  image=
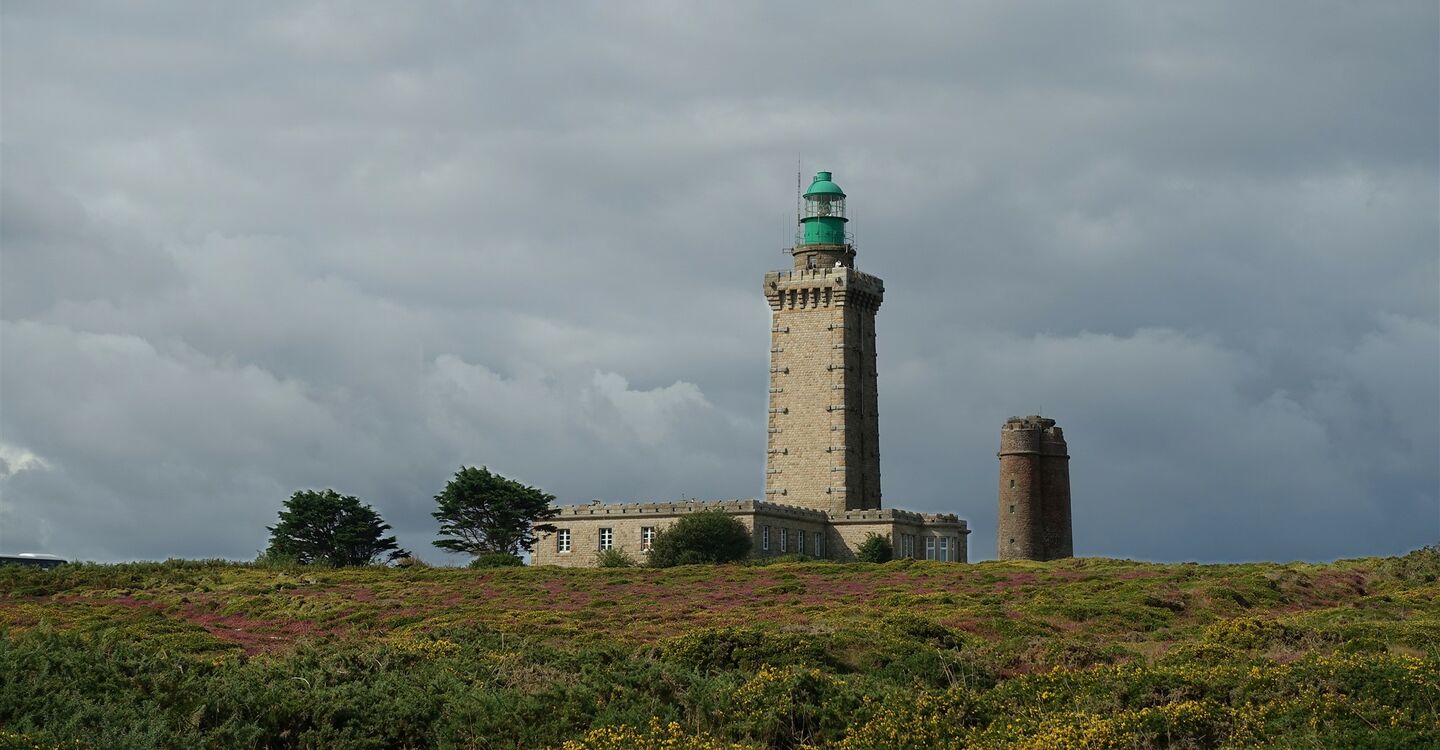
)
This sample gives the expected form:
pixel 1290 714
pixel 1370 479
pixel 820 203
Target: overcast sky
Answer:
pixel 250 248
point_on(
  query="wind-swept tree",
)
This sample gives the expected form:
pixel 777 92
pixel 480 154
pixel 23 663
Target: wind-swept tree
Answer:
pixel 327 527
pixel 486 513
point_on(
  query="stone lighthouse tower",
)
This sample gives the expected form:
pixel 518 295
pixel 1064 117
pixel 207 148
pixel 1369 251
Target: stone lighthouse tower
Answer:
pixel 1034 521
pixel 824 444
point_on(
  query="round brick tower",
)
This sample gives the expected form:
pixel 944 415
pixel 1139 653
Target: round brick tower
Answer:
pixel 1034 517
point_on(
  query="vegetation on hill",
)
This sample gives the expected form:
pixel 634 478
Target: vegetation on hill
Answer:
pixel 1085 653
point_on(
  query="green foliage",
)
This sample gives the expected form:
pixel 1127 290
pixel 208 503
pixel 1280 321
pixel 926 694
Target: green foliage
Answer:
pixel 1070 654
pixel 785 707
pixel 497 560
pixel 330 528
pixel 1247 632
pixel 483 512
pixel 875 549
pixel 697 538
pixel 613 558
pixel 1420 566
pixel 711 650
pixel 778 560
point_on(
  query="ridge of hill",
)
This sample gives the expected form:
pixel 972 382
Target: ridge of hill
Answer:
pixel 1078 653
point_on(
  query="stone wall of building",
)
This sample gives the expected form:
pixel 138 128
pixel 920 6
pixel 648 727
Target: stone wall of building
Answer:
pixel 908 533
pixel 838 536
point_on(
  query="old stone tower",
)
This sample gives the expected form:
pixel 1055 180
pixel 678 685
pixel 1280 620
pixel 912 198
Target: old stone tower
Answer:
pixel 824 443
pixel 1034 519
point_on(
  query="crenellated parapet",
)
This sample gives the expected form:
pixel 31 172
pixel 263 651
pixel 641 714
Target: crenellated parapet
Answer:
pixel 811 288
pixel 1032 434
pixel 680 507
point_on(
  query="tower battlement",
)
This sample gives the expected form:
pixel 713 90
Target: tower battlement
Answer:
pixel 1032 434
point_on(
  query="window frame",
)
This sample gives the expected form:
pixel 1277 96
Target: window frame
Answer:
pixel 607 538
pixel 765 538
pixel 563 541
pixel 929 548
pixel 647 538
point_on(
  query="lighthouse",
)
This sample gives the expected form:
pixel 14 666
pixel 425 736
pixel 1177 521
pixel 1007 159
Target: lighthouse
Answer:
pixel 823 450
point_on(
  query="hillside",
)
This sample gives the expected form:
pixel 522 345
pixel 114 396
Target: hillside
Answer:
pixel 1079 653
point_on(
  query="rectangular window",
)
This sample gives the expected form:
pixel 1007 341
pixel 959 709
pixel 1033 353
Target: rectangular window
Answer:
pixel 909 540
pixel 765 538
pixel 562 540
pixel 1012 509
pixel 800 542
pixel 819 545
pixel 607 538
pixel 944 549
pixel 647 537
pixel 929 548
pixel 784 540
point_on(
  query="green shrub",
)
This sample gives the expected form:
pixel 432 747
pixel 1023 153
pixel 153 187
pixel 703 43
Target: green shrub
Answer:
pixel 790 706
pixel 276 560
pixel 875 549
pixel 613 558
pixel 697 538
pixel 1420 566
pixel 497 560
pixel 719 649
pixel 1248 632
pixel 779 559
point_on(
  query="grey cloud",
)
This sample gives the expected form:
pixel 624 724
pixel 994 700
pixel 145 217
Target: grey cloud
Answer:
pixel 249 249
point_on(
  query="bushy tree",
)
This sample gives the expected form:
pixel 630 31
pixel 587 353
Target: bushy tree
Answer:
pixel 483 512
pixel 710 536
pixel 497 560
pixel 613 558
pixel 875 549
pixel 327 527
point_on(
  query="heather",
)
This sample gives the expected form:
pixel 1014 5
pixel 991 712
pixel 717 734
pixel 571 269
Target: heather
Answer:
pixel 1084 653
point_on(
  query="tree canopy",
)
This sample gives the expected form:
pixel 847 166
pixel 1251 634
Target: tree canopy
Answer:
pixel 710 536
pixel 326 527
pixel 484 513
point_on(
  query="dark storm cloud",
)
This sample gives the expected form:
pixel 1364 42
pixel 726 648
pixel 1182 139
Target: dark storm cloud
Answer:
pixel 257 248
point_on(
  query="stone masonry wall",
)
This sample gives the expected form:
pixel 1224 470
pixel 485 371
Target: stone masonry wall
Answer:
pixel 627 520
pixel 823 444
pixel 840 534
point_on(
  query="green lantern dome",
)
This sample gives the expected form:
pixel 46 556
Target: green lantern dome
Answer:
pixel 822 185
pixel 824 219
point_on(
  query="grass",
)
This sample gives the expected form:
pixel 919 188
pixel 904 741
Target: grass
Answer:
pixel 1074 654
